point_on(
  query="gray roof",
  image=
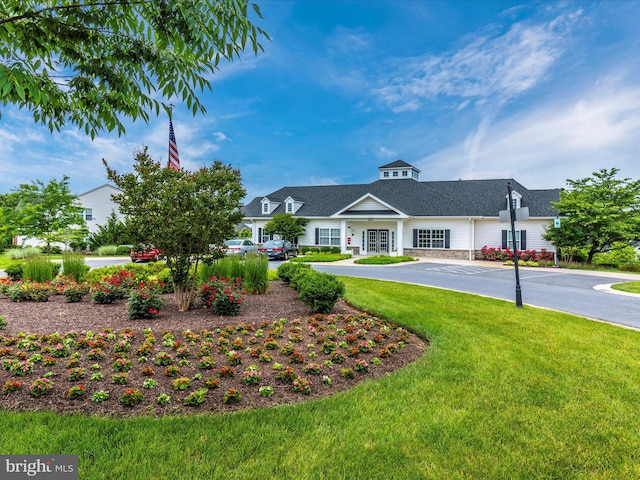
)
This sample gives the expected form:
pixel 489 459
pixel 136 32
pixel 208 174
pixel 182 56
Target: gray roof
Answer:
pixel 398 164
pixel 458 198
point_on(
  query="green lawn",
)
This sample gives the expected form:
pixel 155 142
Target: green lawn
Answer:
pixel 631 287
pixel 501 393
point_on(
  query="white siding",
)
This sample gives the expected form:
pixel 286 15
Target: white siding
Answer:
pixel 99 201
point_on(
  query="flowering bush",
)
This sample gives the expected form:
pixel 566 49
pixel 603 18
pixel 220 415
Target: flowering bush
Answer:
pixel 222 295
pixel 163 359
pixel 11 386
pixel 75 374
pixel 206 362
pixel 196 398
pixel 172 371
pixel 40 387
pixel 181 383
pixel 313 369
pixel 500 254
pixel 145 301
pixel 251 376
pixel 76 391
pixel 163 399
pixel 302 385
pixel 73 291
pixel 131 397
pixel 361 366
pixel 231 396
pixel 286 375
pixel 234 358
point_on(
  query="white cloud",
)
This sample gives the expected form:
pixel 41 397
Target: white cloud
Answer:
pixel 220 137
pixel 498 66
pixel 384 152
pixel 600 129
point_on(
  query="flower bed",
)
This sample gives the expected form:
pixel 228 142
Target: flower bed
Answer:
pixel 103 346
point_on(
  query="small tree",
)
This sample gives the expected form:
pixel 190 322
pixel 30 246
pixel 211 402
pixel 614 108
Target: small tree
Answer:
pixel 48 212
pixel 112 232
pixel 286 226
pixel 597 212
pixel 182 213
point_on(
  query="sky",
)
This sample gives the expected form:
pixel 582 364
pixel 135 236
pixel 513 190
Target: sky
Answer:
pixel 540 92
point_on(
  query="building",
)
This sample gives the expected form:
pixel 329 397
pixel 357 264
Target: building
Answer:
pixel 98 205
pixel 400 215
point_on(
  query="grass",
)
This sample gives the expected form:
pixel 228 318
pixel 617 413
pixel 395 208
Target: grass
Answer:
pixel 383 260
pixel 321 257
pixel 631 287
pixel 501 393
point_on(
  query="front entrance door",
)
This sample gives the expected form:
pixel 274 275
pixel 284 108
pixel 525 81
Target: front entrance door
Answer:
pixel 378 241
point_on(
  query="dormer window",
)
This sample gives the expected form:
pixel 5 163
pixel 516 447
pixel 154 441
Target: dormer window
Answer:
pixel 385 174
pixel 265 208
pixel 516 201
pixel 405 173
pixel 289 207
pixel 395 173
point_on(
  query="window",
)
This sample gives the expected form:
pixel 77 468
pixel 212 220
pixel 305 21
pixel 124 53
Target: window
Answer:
pixel 265 208
pixel 328 236
pixel 405 173
pixel 510 240
pixel 289 207
pixel 430 239
pixel 395 174
pixel 88 214
pixel 385 174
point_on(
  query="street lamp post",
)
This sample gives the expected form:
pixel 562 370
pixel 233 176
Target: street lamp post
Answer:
pixel 512 212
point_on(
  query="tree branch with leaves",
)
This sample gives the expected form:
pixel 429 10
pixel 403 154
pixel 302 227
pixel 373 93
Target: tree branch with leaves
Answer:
pixel 91 64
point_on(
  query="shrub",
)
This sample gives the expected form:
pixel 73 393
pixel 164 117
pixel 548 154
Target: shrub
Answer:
pixel 108 250
pixel 325 249
pixel 320 291
pixel 14 272
pixel 335 250
pixel 222 296
pixel 287 270
pixel 123 250
pixel 145 301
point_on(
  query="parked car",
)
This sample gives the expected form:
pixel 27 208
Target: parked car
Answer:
pixel 279 249
pixel 145 254
pixel 239 246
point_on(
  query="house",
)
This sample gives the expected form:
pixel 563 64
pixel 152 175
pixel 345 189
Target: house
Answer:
pixel 400 215
pixel 98 205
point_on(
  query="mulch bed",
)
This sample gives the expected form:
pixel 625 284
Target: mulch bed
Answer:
pixel 259 312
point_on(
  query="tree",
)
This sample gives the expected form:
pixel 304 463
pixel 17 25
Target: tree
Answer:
pixel 597 212
pixel 112 232
pixel 182 213
pixel 8 204
pixel 286 226
pixel 92 63
pixel 48 212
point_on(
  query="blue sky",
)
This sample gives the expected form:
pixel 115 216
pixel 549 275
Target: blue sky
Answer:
pixel 536 91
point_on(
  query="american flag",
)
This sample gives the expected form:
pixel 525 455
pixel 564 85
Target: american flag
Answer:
pixel 174 159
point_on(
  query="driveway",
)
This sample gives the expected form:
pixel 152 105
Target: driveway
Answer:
pixel 574 291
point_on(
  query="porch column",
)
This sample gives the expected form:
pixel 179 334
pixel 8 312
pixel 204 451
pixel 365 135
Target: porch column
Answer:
pixel 399 237
pixel 343 236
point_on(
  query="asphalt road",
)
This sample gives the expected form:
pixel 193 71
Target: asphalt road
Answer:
pixel 562 290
